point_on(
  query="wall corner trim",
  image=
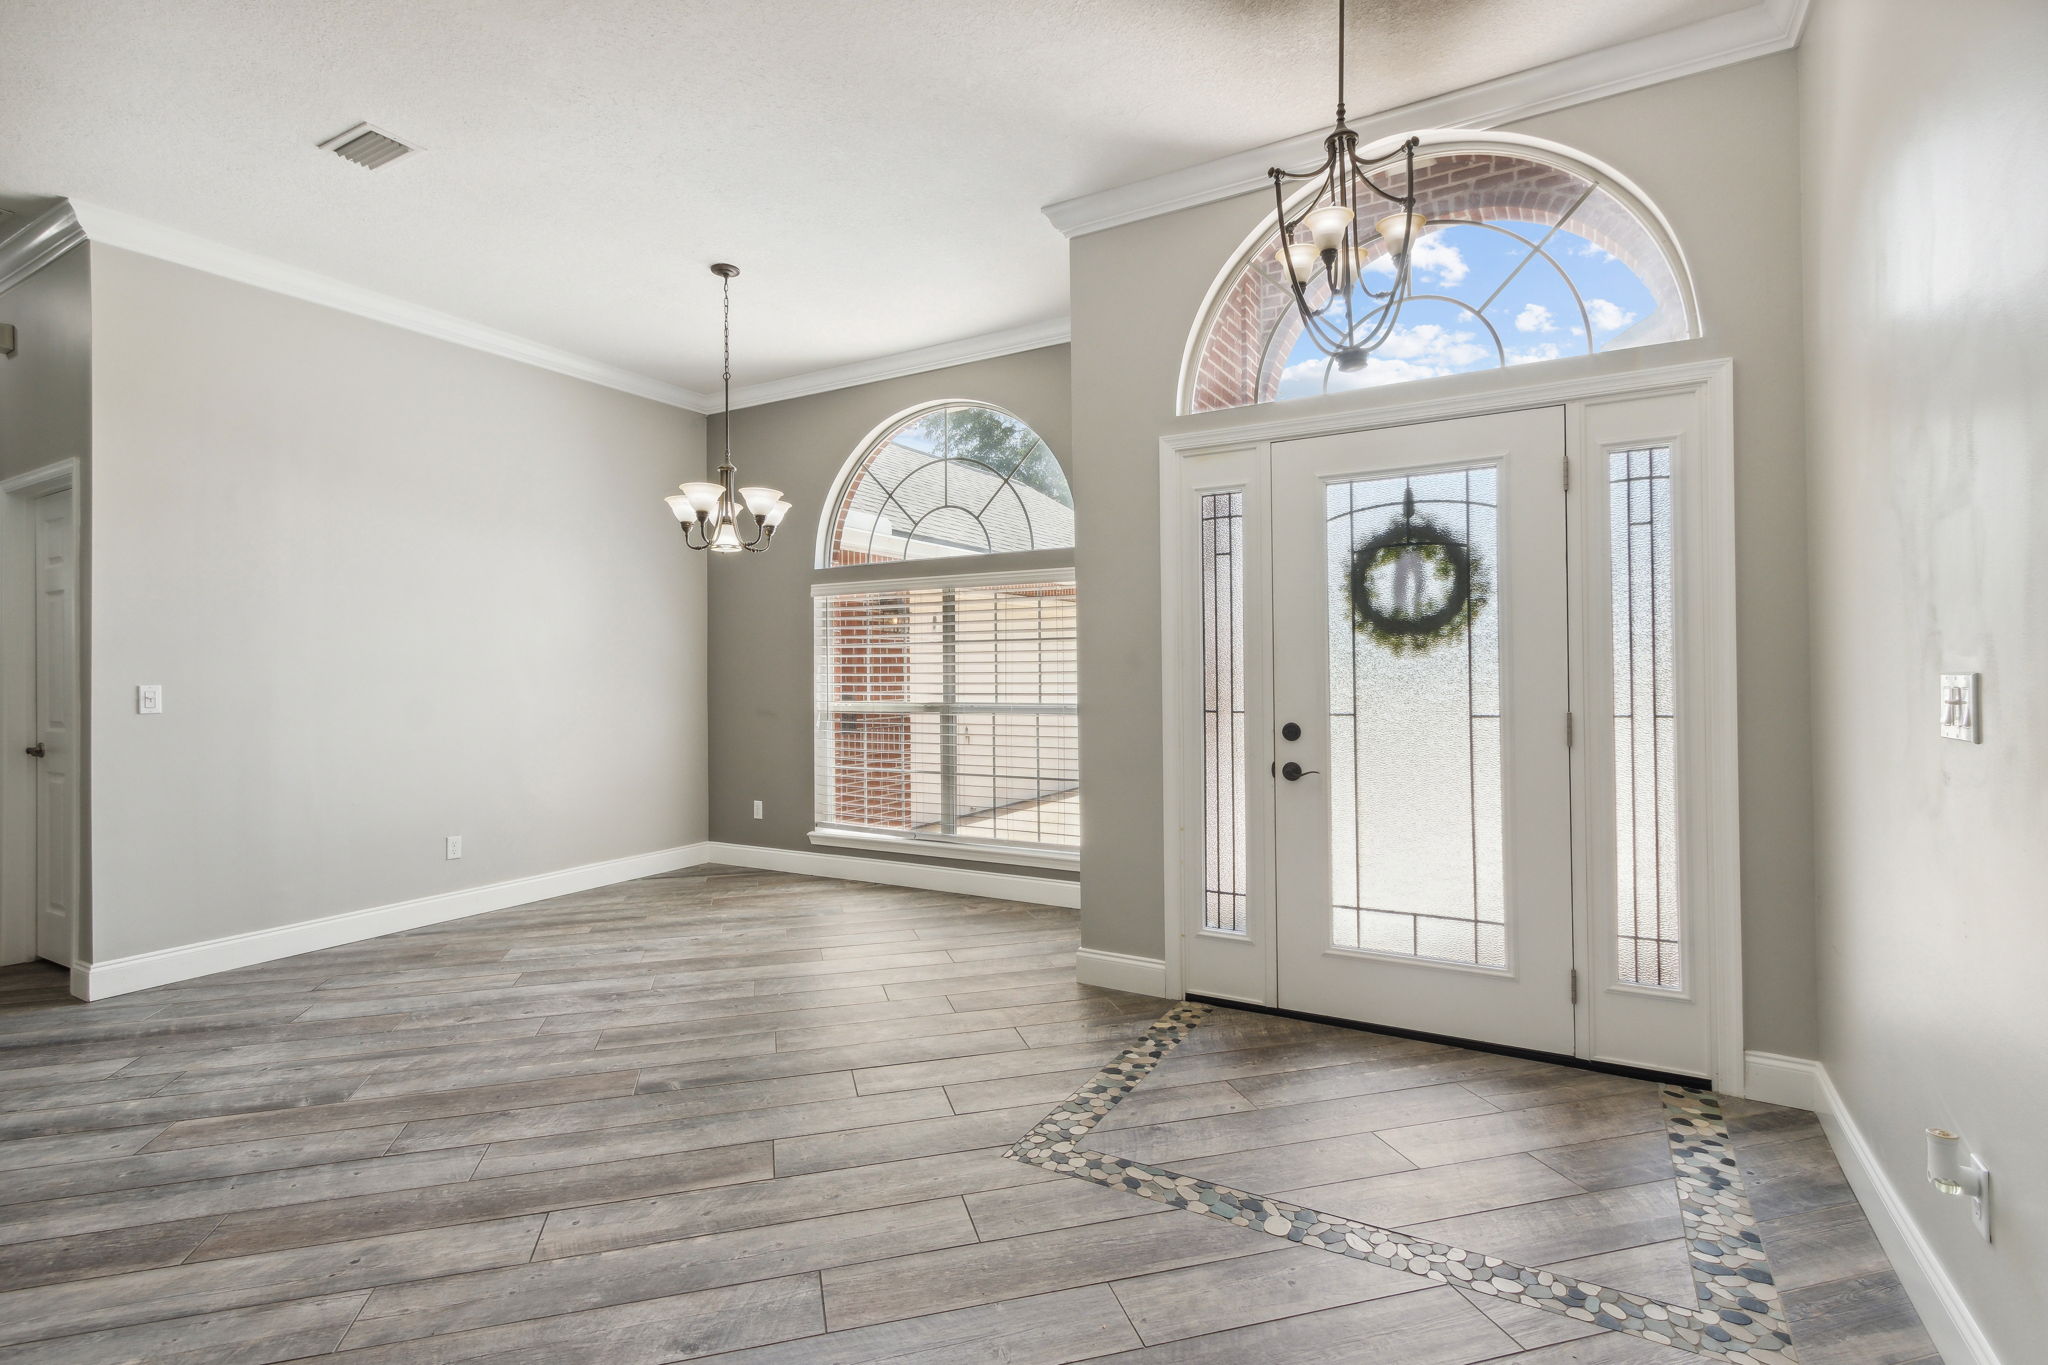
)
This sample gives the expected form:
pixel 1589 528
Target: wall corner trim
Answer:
pixel 37 242
pixel 1758 30
pixel 851 867
pixel 1120 972
pixel 1805 1084
pixel 118 976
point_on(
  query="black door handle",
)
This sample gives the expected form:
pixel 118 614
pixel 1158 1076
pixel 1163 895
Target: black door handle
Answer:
pixel 34 751
pixel 1294 772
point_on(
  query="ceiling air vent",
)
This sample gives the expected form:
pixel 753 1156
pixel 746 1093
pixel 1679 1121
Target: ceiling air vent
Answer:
pixel 367 146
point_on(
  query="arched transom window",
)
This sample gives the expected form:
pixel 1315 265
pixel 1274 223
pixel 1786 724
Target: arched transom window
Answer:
pixel 946 690
pixel 1530 256
pixel 955 479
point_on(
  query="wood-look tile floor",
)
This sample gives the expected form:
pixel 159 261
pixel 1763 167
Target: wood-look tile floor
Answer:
pixel 751 1117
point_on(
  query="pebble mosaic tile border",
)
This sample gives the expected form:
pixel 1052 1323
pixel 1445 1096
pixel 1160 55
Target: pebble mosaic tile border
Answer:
pixel 1737 1318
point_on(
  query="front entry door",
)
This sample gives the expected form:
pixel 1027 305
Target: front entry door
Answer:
pixel 1422 817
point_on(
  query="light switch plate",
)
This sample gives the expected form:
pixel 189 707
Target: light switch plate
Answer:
pixel 149 699
pixel 1959 707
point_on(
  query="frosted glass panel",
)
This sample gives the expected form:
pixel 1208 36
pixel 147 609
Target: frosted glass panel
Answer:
pixel 1223 694
pixel 1645 719
pixel 1415 760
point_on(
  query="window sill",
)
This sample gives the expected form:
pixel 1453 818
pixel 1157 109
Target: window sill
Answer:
pixel 928 848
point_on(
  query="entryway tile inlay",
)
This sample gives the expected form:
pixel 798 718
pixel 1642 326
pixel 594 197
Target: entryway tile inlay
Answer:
pixel 1738 1317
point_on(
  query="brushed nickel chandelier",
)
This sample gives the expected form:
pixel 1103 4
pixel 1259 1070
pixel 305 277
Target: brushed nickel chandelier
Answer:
pixel 1326 244
pixel 708 511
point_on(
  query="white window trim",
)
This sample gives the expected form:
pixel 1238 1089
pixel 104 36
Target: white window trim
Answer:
pixel 1010 855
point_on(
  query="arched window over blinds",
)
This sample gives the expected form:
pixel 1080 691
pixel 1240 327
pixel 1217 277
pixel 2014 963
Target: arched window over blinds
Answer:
pixel 948 480
pixel 946 693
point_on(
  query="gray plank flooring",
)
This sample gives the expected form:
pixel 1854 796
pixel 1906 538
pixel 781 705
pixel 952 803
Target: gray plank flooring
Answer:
pixel 759 1119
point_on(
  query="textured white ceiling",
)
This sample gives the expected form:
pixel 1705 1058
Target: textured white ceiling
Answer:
pixel 876 167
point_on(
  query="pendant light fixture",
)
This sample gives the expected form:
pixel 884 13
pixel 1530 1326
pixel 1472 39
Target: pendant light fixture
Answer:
pixel 1327 244
pixel 710 512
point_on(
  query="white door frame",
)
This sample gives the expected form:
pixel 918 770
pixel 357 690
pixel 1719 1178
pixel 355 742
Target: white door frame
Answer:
pixel 18 855
pixel 1706 569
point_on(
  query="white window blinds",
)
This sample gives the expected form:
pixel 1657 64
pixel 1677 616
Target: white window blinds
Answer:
pixel 946 711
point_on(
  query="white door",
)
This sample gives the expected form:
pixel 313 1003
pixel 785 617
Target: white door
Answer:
pixel 56 746
pixel 1422 817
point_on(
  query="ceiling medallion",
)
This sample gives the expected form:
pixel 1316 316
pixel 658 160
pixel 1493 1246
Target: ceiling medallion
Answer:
pixel 1337 251
pixel 710 512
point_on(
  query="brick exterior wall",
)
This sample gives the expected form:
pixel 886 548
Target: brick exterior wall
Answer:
pixel 1255 322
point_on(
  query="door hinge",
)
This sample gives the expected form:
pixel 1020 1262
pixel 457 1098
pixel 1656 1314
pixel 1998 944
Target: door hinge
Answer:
pixel 1570 730
pixel 1575 985
pixel 1567 473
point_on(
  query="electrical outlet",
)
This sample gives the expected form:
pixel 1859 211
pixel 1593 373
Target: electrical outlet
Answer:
pixel 454 846
pixel 149 699
pixel 757 810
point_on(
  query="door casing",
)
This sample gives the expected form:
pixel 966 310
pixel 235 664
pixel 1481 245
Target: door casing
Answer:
pixel 1228 448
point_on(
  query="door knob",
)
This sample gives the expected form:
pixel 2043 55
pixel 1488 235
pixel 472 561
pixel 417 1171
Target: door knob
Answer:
pixel 1290 731
pixel 34 751
pixel 1294 772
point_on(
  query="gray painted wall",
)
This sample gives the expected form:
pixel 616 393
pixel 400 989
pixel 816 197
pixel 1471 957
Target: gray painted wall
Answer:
pixel 394 589
pixel 46 416
pixel 760 603
pixel 1708 150
pixel 1927 313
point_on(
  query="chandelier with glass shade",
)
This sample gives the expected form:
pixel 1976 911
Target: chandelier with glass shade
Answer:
pixel 1326 249
pixel 708 511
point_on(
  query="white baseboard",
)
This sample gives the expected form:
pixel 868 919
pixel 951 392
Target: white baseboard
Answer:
pixel 1805 1084
pixel 969 881
pixel 1120 972
pixel 1777 1079
pixel 118 976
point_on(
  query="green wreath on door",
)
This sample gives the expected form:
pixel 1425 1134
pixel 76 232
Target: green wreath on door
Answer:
pixel 1423 553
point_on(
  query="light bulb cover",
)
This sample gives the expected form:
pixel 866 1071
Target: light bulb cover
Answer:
pixel 704 496
pixel 727 540
pixel 775 514
pixel 1327 225
pixel 1300 260
pixel 680 505
pixel 1398 230
pixel 759 500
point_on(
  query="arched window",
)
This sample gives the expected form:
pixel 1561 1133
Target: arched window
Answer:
pixel 954 479
pixel 1531 255
pixel 946 692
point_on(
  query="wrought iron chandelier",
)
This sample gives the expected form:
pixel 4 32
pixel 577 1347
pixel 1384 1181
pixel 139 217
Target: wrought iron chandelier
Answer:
pixel 1356 318
pixel 710 512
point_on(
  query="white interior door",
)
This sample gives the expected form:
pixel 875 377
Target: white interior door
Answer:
pixel 56 747
pixel 1422 855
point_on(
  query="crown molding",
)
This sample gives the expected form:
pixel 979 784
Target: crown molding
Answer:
pixel 37 242
pixel 987 346
pixel 1757 31
pixel 110 227
pixel 50 233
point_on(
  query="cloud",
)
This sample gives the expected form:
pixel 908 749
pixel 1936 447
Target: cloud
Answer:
pixel 1534 317
pixel 1542 350
pixel 1608 317
pixel 1423 351
pixel 1594 252
pixel 1433 255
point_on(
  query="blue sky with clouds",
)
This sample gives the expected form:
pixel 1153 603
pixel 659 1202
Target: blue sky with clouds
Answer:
pixel 1533 312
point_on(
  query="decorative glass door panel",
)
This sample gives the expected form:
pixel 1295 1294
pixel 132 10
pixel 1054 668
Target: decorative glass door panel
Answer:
pixel 1423 812
pixel 1415 816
